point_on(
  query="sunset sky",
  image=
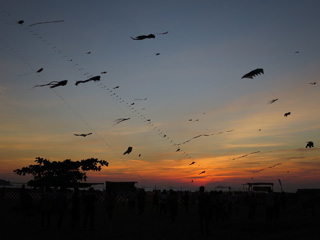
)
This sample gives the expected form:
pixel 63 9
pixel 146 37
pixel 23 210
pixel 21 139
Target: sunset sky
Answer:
pixel 174 88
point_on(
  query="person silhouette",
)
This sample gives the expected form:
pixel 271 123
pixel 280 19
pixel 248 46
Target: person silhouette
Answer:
pixel 173 204
pixel 185 201
pixel 74 204
pixel 46 206
pixel 61 205
pixel 203 208
pixel 89 208
pixel 109 201
pixel 163 203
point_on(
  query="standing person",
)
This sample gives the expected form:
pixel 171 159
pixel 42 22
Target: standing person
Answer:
pixel 89 208
pixel 132 201
pixel 269 201
pixel 173 204
pixel 203 207
pixel 141 201
pixel 185 200
pixel 109 201
pixel 155 201
pixel 46 206
pixel 61 205
pixel 26 201
pixel 252 202
pixel 163 203
pixel 74 204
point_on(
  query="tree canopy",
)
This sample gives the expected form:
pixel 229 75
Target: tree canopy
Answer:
pixel 60 174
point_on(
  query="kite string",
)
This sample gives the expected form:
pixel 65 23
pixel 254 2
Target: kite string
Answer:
pixel 117 98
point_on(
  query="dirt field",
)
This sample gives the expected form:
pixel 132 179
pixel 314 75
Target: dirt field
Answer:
pixel 292 224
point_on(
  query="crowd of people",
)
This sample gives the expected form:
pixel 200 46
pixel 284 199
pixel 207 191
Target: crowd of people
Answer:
pixel 210 206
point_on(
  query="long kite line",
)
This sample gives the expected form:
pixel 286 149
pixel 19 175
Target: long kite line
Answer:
pixel 56 21
pixel 118 98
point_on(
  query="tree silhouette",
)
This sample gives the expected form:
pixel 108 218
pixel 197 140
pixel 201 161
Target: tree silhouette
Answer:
pixel 60 174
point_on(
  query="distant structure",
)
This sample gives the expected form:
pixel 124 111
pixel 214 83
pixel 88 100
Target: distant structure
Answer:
pixel 120 187
pixel 258 187
pixel 5 183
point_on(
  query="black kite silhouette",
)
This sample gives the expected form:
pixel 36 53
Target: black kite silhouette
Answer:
pixel 309 144
pixel 287 114
pixel 40 70
pixel 273 100
pixel 119 120
pixel 142 37
pixel 82 134
pixel 253 73
pixel 54 84
pixel 129 150
pixel 95 79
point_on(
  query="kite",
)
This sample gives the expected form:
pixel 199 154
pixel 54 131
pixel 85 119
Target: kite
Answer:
pixel 192 163
pixel 82 134
pixel 162 33
pixel 128 151
pixel 116 87
pixel 104 72
pixel 119 120
pixel 287 114
pixel 190 120
pixel 46 22
pixel 258 170
pixel 201 135
pixel 142 37
pixel 21 22
pixel 140 99
pixel 273 100
pixel 156 54
pixel 202 172
pixel 246 155
pixel 88 52
pixel 309 144
pixel 54 84
pixel 38 71
pixel 275 165
pixel 253 73
pixel 313 83
pixel 96 78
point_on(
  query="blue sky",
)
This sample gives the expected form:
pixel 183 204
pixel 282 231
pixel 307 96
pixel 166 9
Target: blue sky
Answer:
pixel 210 45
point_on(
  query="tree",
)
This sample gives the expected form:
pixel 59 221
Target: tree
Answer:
pixel 60 174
